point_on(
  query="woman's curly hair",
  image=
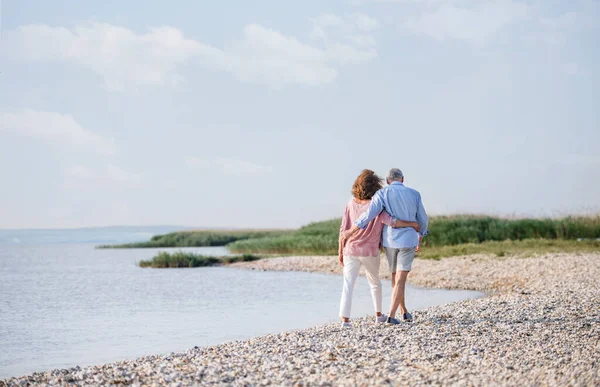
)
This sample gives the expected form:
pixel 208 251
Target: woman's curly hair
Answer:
pixel 366 184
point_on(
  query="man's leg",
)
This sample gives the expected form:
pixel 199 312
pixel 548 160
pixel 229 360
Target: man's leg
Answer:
pixel 398 295
pixel 405 260
pixel 392 256
pixel 351 269
pixel 371 265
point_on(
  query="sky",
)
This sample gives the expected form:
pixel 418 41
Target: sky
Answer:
pixel 262 113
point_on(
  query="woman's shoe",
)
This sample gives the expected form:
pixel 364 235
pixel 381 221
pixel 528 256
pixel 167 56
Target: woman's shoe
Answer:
pixel 346 324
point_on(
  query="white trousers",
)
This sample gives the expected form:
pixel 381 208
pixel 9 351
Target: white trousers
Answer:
pixel 351 269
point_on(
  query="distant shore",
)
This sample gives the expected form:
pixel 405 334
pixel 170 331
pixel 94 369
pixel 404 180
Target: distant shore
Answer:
pixel 539 326
pixel 449 236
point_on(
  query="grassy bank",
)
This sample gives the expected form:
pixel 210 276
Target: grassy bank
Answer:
pixel 526 247
pixel 180 259
pixel 468 232
pixel 454 230
pixel 200 238
pixel 319 238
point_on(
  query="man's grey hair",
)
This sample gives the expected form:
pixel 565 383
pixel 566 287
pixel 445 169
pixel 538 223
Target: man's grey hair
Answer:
pixel 395 175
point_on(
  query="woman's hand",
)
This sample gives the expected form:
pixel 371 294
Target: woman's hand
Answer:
pixel 342 244
pixel 345 236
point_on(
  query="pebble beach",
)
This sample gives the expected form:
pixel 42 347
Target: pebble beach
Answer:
pixel 539 325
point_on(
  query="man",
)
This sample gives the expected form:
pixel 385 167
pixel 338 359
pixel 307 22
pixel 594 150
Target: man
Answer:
pixel 400 244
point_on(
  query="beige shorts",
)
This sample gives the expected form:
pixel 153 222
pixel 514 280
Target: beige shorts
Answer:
pixel 400 259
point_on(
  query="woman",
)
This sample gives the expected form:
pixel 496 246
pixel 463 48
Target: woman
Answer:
pixel 363 249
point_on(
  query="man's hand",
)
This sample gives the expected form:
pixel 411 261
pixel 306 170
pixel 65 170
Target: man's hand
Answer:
pixel 419 245
pixel 348 234
pixel 341 258
pixel 403 223
pixel 345 236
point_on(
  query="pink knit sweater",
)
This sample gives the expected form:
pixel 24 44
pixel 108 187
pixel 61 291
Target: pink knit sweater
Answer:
pixel 366 243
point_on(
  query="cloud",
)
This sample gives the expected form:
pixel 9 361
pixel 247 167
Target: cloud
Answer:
pixel 170 184
pixel 477 22
pixel 565 20
pixel 120 56
pixel 196 162
pixel 474 24
pixel 267 56
pixel 406 2
pixel 364 40
pixel 364 22
pixel 80 172
pixel 354 30
pixel 243 168
pixel 125 59
pixel 55 128
pixel 553 30
pixel 117 174
pixel 230 166
pixel 579 160
pixel 557 29
pixel 570 68
pixel 111 174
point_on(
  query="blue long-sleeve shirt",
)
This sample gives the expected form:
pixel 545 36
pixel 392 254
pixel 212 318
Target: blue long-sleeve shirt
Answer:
pixel 402 203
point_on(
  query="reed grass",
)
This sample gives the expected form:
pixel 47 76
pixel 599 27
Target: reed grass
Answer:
pixel 454 230
pixel 322 237
pixel 181 259
pixel 199 238
pixel 523 248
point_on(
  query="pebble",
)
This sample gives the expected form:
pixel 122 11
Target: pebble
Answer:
pixel 534 328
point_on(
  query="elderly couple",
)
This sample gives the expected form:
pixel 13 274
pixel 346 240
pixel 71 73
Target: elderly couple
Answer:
pixel 394 217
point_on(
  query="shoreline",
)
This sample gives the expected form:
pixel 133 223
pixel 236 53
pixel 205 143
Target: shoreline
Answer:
pixel 539 324
pixel 479 272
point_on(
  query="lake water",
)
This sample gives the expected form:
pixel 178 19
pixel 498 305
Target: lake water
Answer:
pixel 69 304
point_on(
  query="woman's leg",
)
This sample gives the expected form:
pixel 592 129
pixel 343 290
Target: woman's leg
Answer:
pixel 351 269
pixel 371 265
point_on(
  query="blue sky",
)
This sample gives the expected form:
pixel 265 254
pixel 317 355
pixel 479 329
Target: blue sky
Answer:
pixel 261 114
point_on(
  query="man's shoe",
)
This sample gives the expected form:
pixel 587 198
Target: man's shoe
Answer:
pixel 407 317
pixel 392 321
pixel 381 319
pixel 346 324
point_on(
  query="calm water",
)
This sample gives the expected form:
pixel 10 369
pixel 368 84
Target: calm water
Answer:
pixel 63 305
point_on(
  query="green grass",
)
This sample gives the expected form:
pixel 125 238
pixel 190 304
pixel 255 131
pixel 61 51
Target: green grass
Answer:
pixel 180 259
pixel 526 247
pixel 454 230
pixel 315 238
pixel 445 231
pixel 199 238
pixel 466 231
pixel 289 244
